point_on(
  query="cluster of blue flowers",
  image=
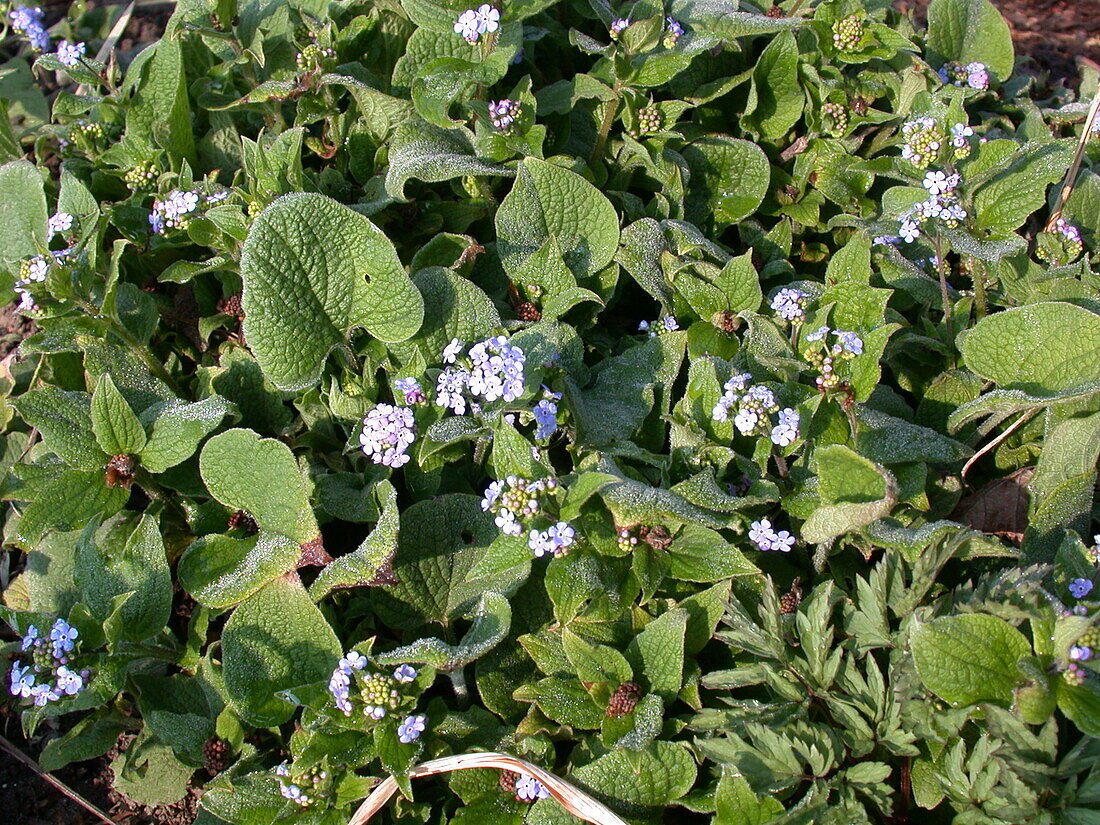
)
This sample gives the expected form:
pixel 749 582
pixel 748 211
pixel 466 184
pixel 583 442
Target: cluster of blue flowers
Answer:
pixel 974 75
pixel 70 54
pixel 473 23
pixel 655 328
pixel 31 271
pixel 377 693
pixel 765 537
pixel 517 503
pixel 942 204
pixel 27 21
pixel 47 677
pixel 554 540
pixel 178 207
pixel 494 370
pixel 617 26
pixel 411 390
pixel 823 356
pixel 529 789
pixel 754 407
pixel 673 32
pixel 387 432
pixel 790 304
pixel 1067 247
pixel 503 113
pixel 546 414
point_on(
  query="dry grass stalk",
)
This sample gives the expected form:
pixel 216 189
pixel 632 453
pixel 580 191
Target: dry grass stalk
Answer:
pixel 574 800
pixel 1071 175
pixel 53 780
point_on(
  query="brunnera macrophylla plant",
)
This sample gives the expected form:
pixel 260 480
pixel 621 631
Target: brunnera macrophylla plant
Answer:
pixel 634 389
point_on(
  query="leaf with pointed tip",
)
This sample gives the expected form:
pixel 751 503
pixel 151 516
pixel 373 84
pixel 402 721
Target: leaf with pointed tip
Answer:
pixel 492 616
pixel 65 421
pixel 116 428
pixel 550 201
pixel 364 563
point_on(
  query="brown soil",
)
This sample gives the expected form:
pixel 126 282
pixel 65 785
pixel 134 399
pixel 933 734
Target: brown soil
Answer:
pixel 14 327
pixel 1053 33
pixel 27 799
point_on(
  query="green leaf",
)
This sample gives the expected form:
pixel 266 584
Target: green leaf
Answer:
pixel 432 154
pixel 740 283
pixel 729 178
pixel 563 700
pixel 622 396
pixel 1019 188
pixel 969 659
pixel 180 711
pixel 453 308
pixel 61 499
pixel 150 773
pixel 657 653
pixel 854 492
pixel 595 662
pixel 364 563
pixel 846 476
pixel 92 736
pixel 261 477
pixel 1041 349
pixel 550 201
pixel 116 428
pixel 276 640
pixel 159 109
pixel 776 101
pixel 722 18
pixel 1065 476
pixel 442 82
pixel 441 543
pixel 139 566
pixel 492 616
pixel 698 554
pixel 638 782
pixel 736 804
pixel 967 30
pixel 65 421
pixel 22 211
pixel 220 571
pixel 313 270
pixel 1081 704
pixel 176 428
pixel 852 262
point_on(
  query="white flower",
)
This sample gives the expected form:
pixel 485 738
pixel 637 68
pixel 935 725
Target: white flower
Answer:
pixel 468 25
pixel 59 222
pixel 745 421
pixel 69 54
pixel 488 19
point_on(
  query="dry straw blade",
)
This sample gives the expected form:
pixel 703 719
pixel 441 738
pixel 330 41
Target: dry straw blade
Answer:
pixel 1071 175
pixel 574 800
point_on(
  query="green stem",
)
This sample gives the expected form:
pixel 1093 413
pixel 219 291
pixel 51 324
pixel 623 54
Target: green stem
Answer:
pixel 610 110
pixel 977 274
pixel 458 682
pixel 941 269
pixel 141 351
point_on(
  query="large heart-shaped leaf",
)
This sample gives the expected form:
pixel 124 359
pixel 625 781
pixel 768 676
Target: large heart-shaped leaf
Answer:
pixel 276 640
pixel 313 270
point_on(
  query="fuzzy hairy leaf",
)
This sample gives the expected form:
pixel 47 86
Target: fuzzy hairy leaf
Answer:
pixel 313 270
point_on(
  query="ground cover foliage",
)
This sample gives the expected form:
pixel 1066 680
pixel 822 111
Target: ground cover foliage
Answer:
pixel 601 385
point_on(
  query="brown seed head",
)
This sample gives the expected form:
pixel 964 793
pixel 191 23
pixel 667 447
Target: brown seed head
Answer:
pixel 624 699
pixel 120 471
